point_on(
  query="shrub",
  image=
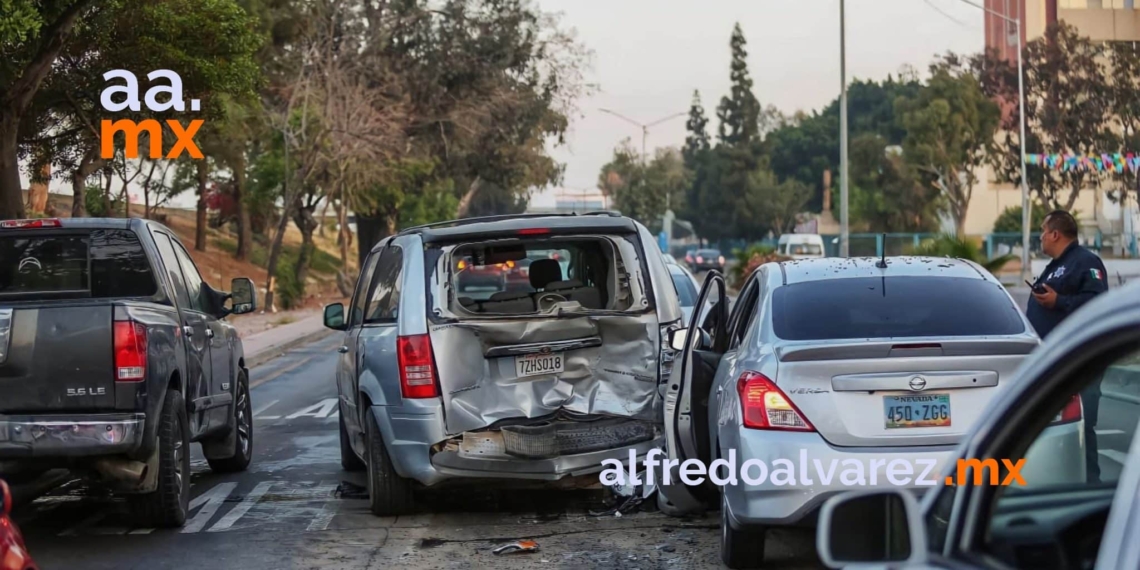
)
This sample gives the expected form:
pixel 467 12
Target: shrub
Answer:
pixel 750 258
pixel 950 246
pixel 290 293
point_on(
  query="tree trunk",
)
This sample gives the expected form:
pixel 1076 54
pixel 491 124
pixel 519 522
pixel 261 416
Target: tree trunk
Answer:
pixel 305 221
pixel 38 188
pixel 87 166
pixel 370 230
pixel 108 210
pixel 274 257
pixel 200 223
pixel 342 276
pixel 465 201
pixel 11 192
pixel 245 234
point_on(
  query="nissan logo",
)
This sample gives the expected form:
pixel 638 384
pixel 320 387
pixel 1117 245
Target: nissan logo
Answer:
pixel 918 383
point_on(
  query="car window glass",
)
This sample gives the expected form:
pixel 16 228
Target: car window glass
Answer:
pixel 173 269
pixel 744 311
pixel 102 264
pixel 1076 459
pixel 686 292
pixel 361 295
pixel 384 302
pixel 119 267
pixel 194 280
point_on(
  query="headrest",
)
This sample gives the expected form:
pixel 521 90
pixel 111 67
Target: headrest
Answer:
pixel 544 272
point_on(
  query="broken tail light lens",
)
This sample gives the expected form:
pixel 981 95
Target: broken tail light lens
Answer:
pixel 30 224
pixel 130 351
pixel 766 407
pixel 417 367
pixel 1070 413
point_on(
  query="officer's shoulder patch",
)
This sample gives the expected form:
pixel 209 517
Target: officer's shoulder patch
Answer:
pixel 1096 274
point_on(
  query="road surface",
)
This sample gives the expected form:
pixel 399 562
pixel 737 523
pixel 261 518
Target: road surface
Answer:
pixel 285 512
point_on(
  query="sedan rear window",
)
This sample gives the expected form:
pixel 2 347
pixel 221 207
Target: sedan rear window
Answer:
pixel 893 307
pixel 100 263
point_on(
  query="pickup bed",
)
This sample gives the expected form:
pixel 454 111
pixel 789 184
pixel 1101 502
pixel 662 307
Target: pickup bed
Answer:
pixel 114 356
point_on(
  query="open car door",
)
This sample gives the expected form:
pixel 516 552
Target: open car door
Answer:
pixel 701 346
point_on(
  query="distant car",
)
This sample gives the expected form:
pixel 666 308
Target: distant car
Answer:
pixel 706 259
pixel 842 359
pixel 13 552
pixel 801 246
pixel 114 356
pixel 1046 523
pixel 446 374
pixel 687 287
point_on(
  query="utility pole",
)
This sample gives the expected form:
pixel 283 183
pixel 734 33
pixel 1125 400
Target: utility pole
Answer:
pixel 844 229
pixel 645 135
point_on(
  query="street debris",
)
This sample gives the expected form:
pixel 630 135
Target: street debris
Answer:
pixel 516 547
pixel 629 497
pixel 349 490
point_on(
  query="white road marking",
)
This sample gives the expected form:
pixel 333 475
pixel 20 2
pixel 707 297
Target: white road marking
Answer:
pixel 1117 456
pixel 83 524
pixel 325 517
pixel 1109 431
pixel 243 507
pixel 262 409
pixel 319 410
pixel 212 499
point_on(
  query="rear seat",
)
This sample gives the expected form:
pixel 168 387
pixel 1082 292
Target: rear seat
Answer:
pixel 588 297
pixel 509 302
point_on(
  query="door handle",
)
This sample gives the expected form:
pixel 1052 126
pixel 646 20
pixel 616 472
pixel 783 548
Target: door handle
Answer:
pixel 209 333
pixel 342 349
pixel 719 389
pixel 188 330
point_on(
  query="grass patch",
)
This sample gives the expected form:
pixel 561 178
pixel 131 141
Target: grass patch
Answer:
pixel 284 321
pixel 322 262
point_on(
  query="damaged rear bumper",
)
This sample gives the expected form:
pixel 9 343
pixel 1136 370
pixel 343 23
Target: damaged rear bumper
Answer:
pixel 418 427
pixel 60 436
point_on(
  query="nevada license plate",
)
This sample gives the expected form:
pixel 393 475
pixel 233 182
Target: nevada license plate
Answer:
pixel 926 410
pixel 537 364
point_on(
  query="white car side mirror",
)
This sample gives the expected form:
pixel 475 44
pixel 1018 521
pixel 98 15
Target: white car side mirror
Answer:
pixel 871 527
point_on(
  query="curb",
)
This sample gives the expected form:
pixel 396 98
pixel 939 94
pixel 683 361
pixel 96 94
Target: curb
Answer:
pixel 255 360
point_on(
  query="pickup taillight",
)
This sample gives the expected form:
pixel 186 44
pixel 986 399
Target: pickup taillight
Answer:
pixel 130 351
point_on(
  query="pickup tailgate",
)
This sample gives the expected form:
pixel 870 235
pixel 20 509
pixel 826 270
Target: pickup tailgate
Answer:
pixel 59 358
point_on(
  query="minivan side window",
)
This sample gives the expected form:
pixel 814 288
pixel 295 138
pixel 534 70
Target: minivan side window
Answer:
pixel 173 268
pixel 384 302
pixel 360 297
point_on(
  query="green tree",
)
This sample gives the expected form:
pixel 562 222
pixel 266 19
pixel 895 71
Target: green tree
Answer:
pixel 769 205
pixel 950 125
pixel 697 141
pixel 739 111
pixel 887 194
pixel 1009 221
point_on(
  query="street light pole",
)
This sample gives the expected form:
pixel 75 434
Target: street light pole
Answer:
pixel 1026 219
pixel 844 229
pixel 645 135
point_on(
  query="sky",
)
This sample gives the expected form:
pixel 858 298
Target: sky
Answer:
pixel 649 56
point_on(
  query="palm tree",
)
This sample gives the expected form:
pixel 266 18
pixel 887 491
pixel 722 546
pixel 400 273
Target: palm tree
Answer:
pixel 950 246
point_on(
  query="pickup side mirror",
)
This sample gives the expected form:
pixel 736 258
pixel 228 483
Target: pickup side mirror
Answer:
pixel 334 316
pixel 243 296
pixel 871 527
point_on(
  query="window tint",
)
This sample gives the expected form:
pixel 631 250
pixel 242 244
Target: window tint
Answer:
pixel 104 263
pixel 361 295
pixel 173 270
pixel 685 289
pixel 874 307
pixel 194 281
pixel 384 304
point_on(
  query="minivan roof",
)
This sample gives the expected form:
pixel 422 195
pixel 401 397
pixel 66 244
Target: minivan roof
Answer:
pixel 523 224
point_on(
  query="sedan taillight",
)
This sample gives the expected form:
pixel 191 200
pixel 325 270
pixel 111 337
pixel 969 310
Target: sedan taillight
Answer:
pixel 130 351
pixel 766 407
pixel 417 367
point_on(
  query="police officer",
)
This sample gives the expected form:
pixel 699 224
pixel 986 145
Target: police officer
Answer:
pixel 1073 278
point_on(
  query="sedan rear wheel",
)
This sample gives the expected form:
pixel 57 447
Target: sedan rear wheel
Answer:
pixel 740 548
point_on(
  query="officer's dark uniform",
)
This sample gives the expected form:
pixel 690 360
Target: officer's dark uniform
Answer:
pixel 1077 276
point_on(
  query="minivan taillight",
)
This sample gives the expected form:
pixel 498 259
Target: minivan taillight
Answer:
pixel 1070 413
pixel 417 367
pixel 766 407
pixel 130 351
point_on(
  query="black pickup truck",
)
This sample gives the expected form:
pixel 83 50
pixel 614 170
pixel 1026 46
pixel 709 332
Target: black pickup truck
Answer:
pixel 114 356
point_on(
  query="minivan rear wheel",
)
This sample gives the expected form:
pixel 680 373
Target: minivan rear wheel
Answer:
pixel 388 493
pixel 740 548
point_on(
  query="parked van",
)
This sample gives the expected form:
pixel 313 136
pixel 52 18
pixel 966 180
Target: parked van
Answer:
pixel 801 246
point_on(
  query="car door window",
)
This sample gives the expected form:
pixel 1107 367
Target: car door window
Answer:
pixel 360 297
pixel 744 312
pixel 173 269
pixel 1071 469
pixel 194 280
pixel 384 301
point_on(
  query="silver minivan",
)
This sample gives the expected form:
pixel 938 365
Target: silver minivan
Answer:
pixel 513 347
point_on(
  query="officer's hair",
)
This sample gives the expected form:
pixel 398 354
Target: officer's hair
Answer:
pixel 1062 221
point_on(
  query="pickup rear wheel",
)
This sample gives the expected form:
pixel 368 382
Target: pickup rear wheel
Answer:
pixel 166 506
pixel 388 493
pixel 243 428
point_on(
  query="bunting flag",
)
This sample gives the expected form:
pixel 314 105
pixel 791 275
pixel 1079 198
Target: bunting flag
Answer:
pixel 1116 162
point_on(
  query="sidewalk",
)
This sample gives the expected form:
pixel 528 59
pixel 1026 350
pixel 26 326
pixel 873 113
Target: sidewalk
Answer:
pixel 266 345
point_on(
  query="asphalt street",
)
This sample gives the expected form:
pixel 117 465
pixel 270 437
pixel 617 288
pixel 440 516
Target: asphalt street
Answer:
pixel 286 511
